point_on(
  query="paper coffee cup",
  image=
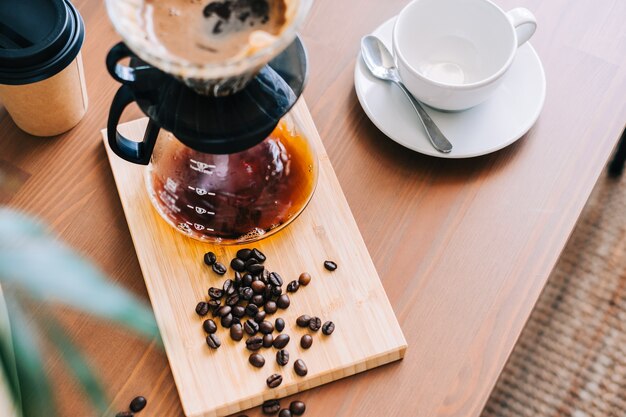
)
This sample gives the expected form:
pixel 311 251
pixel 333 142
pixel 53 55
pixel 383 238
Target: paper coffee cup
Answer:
pixel 42 82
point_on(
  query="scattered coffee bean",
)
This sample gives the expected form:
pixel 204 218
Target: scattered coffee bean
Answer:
pixel 209 326
pixel 279 324
pixel 258 255
pixel 300 367
pixel 246 280
pixel 237 280
pixel 244 254
pixel 258 299
pixel 268 340
pixel 250 262
pixel 275 279
pixel 267 294
pixel 293 286
pixel 138 404
pixel 213 304
pixel 233 300
pixel 276 291
pixel 328 328
pixel 229 287
pixel 239 311
pixel 255 269
pixel 304 278
pixel 271 307
pixel 274 380
pixel 236 320
pixel 251 327
pixel 284 413
pixel 306 341
pixel 315 324
pixel 238 265
pixel 282 357
pixel 330 265
pixel 125 414
pixel 213 341
pixel 227 320
pixel 254 343
pixel 216 293
pixel 303 320
pixel 281 341
pixel 252 310
pixel 236 332
pixel 210 258
pixel 258 287
pixel 246 293
pixel 266 327
pixel 219 268
pixel 257 360
pixel 283 301
pixel 260 317
pixel 270 407
pixel 223 311
pixel 202 309
pixel 297 408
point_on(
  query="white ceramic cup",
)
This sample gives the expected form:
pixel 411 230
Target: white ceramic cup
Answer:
pixel 453 54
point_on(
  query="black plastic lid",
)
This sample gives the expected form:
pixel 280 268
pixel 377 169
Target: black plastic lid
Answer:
pixel 229 124
pixel 38 39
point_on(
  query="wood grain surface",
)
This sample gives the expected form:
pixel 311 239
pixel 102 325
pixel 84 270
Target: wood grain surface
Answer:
pixel 463 248
pixel 220 382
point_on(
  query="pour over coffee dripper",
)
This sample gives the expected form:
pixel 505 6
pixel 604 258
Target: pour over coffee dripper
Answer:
pixel 227 162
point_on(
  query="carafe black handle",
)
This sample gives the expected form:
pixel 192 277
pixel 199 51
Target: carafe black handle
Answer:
pixel 130 150
pixel 142 76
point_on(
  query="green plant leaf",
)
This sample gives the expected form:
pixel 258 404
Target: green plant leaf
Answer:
pixel 7 358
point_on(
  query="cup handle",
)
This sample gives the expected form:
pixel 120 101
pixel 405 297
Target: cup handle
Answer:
pixel 524 23
pixel 120 73
pixel 135 152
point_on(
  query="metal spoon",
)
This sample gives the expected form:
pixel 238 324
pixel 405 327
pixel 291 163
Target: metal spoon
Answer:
pixel 381 64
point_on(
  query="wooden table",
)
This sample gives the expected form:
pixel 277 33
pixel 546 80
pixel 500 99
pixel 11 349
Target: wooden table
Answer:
pixel 463 247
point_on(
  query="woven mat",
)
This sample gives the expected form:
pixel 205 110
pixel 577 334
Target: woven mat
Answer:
pixel 571 357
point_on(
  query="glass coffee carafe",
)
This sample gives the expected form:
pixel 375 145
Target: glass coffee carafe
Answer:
pixel 227 161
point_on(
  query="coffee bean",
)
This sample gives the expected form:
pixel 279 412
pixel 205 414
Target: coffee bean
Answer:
pixel 125 414
pixel 269 289
pixel 210 258
pixel 268 340
pixel 264 276
pixel 236 320
pixel 238 265
pixel 304 278
pixel 275 279
pixel 239 311
pixel 232 300
pixel 276 291
pixel 249 263
pixel 246 280
pixel 252 310
pixel 293 286
pixel 258 287
pixel 227 320
pixel 255 269
pixel 281 341
pixel 315 324
pixel 284 413
pixel 328 328
pixel 251 327
pixel 218 268
pixel 303 320
pixel 279 324
pixel 237 280
pixel 330 265
pixel 306 341
pixel 254 343
pixel 209 326
pixel 223 311
pixel 282 357
pixel 216 293
pixel 244 254
pixel 260 316
pixel 258 299
pixel 229 287
pixel 138 404
pixel 271 307
pixel 283 301
pixel 297 408
pixel 266 327
pixel 274 380
pixel 257 360
pixel 246 293
pixel 258 255
pixel 236 332
pixel 271 407
pixel 300 367
pixel 213 341
pixel 202 308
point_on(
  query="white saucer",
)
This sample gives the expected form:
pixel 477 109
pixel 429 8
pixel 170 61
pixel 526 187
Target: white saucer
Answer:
pixel 483 129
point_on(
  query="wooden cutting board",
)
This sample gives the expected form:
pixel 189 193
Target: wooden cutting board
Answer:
pixel 221 382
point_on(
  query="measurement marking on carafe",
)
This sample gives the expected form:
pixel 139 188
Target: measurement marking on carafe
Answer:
pixel 201 167
pixel 200 210
pixel 200 191
pixel 198 226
